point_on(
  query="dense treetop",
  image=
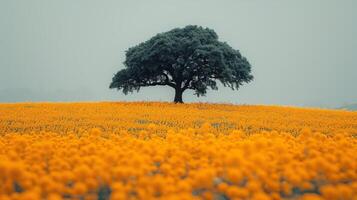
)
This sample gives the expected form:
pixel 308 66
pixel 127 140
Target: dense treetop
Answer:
pixel 183 58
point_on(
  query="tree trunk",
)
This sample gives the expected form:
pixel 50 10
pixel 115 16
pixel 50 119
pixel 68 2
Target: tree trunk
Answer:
pixel 178 95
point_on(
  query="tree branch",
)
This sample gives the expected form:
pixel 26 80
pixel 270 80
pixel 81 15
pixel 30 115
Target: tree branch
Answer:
pixel 150 84
pixel 167 81
pixel 187 84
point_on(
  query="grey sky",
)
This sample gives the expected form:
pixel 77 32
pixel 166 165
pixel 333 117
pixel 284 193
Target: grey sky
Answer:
pixel 302 52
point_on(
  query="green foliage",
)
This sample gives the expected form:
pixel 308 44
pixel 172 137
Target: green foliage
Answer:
pixel 189 58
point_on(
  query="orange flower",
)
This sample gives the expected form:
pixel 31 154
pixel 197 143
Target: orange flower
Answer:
pixel 158 150
pixel 79 188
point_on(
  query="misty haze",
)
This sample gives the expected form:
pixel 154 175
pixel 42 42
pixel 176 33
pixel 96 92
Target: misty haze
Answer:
pixel 302 53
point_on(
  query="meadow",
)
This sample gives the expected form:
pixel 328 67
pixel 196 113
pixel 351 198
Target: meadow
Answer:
pixel 152 150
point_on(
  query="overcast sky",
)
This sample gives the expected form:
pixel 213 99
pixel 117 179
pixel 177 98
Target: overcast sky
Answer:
pixel 303 52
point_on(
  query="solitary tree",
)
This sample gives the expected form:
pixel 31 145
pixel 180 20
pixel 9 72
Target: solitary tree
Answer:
pixel 189 58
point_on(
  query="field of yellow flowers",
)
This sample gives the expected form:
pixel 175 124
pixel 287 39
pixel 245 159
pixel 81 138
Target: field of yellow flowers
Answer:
pixel 148 150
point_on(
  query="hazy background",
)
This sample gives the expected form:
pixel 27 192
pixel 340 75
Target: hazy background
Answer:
pixel 302 52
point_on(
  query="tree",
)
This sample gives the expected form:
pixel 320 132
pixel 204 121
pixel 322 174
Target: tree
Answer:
pixel 189 58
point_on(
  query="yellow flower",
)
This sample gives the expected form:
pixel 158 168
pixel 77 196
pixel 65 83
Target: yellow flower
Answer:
pixel 175 152
pixel 95 132
pixel 79 188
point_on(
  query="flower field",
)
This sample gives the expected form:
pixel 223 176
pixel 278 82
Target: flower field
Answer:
pixel 149 150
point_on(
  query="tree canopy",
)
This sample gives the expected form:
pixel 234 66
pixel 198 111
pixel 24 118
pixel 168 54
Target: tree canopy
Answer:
pixel 189 58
